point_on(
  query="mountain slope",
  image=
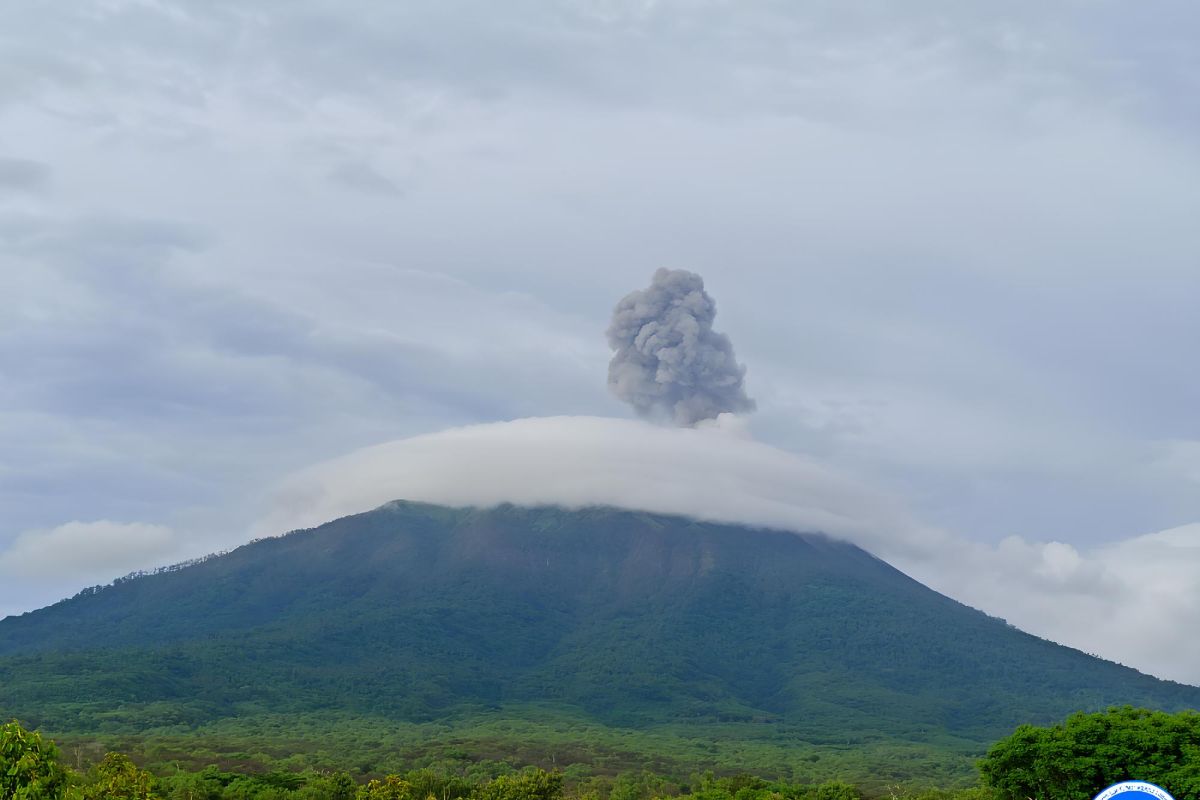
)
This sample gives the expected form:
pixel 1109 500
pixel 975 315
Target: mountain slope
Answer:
pixel 415 612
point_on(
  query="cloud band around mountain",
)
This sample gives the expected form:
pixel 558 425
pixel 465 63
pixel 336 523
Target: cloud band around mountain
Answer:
pixel 1125 601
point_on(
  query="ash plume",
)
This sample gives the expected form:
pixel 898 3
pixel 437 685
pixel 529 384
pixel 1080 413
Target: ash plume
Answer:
pixel 669 360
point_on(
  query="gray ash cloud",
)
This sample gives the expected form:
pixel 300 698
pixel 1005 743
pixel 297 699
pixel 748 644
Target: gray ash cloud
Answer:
pixel 669 362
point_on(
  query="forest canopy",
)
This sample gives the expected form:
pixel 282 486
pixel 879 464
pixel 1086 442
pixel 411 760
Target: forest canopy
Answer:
pixel 1073 760
pixel 1077 758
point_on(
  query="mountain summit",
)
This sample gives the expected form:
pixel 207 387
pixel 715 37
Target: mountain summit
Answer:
pixel 417 612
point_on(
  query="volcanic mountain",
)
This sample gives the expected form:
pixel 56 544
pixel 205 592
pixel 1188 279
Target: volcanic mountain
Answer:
pixel 626 619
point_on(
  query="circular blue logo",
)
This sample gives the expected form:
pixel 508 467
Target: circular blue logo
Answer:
pixel 1134 790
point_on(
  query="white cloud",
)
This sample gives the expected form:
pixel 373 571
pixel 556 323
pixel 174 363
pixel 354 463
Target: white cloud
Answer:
pixel 1133 601
pixel 713 472
pixel 1127 601
pixel 96 551
pixel 1182 457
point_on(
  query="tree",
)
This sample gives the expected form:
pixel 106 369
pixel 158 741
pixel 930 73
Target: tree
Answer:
pixel 836 790
pixel 535 784
pixel 1077 758
pixel 331 786
pixel 118 778
pixel 29 768
pixel 193 786
pixel 393 787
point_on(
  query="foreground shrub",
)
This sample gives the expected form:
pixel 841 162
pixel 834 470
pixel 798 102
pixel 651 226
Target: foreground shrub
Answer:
pixel 29 768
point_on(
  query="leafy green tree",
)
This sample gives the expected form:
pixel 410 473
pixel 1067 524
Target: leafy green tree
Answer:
pixel 836 790
pixel 636 786
pixel 711 789
pixel 1076 759
pixel 428 783
pixel 29 768
pixel 329 786
pixel 393 787
pixel 533 784
pixel 118 778
pixel 191 786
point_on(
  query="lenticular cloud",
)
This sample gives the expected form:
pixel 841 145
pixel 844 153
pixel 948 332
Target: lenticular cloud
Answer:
pixel 711 472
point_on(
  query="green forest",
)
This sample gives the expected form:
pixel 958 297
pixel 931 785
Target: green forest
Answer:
pixel 592 636
pixel 1071 760
pixel 620 651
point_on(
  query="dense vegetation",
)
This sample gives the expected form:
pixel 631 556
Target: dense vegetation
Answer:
pixel 1070 761
pixel 581 749
pixel 614 639
pixel 1073 760
pixel 31 764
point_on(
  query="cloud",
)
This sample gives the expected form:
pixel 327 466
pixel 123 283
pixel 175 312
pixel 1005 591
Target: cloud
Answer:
pixel 19 174
pixel 95 551
pixel 668 360
pixel 956 244
pixel 130 376
pixel 363 178
pixel 1127 601
pixel 714 472
pixel 1131 601
pixel 1182 457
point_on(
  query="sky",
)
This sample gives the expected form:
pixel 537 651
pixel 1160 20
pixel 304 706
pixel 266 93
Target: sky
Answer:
pixel 249 251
